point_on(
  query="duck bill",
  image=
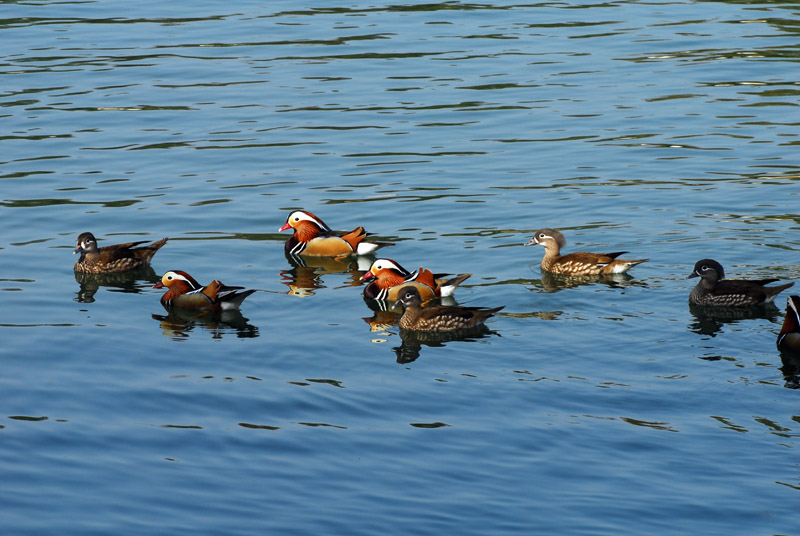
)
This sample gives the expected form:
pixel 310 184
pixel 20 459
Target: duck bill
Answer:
pixel 693 274
pixel 77 250
pixel 285 226
pixel 367 277
pixel 159 285
pixel 531 242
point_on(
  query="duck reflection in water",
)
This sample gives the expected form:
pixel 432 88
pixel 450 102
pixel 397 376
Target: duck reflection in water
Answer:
pixel 710 319
pixel 436 324
pixel 306 273
pixel 552 282
pixel 132 281
pixel 179 322
pixel 413 341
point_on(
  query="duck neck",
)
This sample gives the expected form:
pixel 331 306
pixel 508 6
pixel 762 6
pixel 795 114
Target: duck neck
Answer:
pixel 551 254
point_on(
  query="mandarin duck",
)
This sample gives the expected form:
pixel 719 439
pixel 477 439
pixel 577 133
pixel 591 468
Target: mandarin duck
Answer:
pixel 714 289
pixel 387 277
pixel 115 258
pixel 183 291
pixel 438 317
pixel 314 238
pixel 789 336
pixel 580 262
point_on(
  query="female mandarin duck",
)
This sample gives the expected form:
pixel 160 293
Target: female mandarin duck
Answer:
pixel 183 291
pixel 438 317
pixel 312 237
pixel 387 277
pixel 789 336
pixel 714 289
pixel 111 259
pixel 580 262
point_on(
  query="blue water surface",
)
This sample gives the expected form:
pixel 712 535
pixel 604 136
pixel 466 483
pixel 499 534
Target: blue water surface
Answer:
pixel 607 407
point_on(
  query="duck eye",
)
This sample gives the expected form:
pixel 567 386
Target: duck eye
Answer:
pixel 169 278
pixel 704 268
pixel 297 218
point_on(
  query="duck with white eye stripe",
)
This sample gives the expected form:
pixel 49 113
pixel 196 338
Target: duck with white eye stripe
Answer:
pixel 387 277
pixel 714 289
pixel 313 237
pixel 185 292
pixel 580 262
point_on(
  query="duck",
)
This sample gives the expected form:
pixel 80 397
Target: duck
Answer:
pixel 580 262
pixel 313 237
pixel 438 317
pixel 387 277
pixel 185 292
pixel 115 258
pixel 714 289
pixel 789 336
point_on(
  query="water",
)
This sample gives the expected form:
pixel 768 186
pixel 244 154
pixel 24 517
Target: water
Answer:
pixel 454 130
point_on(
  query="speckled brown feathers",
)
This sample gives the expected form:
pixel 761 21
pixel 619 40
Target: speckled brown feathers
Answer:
pixel 578 263
pixel 115 258
pixel 438 317
pixel 714 289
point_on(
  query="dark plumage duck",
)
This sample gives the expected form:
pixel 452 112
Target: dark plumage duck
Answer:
pixel 714 289
pixel 789 336
pixel 115 258
pixel 438 317
pixel 580 262
pixel 314 238
pixel 387 277
pixel 183 291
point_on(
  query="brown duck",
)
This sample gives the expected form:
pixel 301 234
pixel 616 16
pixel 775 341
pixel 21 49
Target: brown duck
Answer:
pixel 438 317
pixel 580 262
pixel 714 289
pixel 115 258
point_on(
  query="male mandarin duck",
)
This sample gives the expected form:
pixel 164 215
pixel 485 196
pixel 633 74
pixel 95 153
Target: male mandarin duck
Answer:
pixel 183 291
pixel 714 289
pixel 314 238
pixel 438 317
pixel 115 258
pixel 580 262
pixel 789 336
pixel 387 277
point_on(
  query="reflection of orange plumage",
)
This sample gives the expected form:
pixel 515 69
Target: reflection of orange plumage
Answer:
pixel 183 291
pixel 179 322
pixel 306 273
pixel 382 320
pixel 312 237
pixel 301 280
pixel 387 276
